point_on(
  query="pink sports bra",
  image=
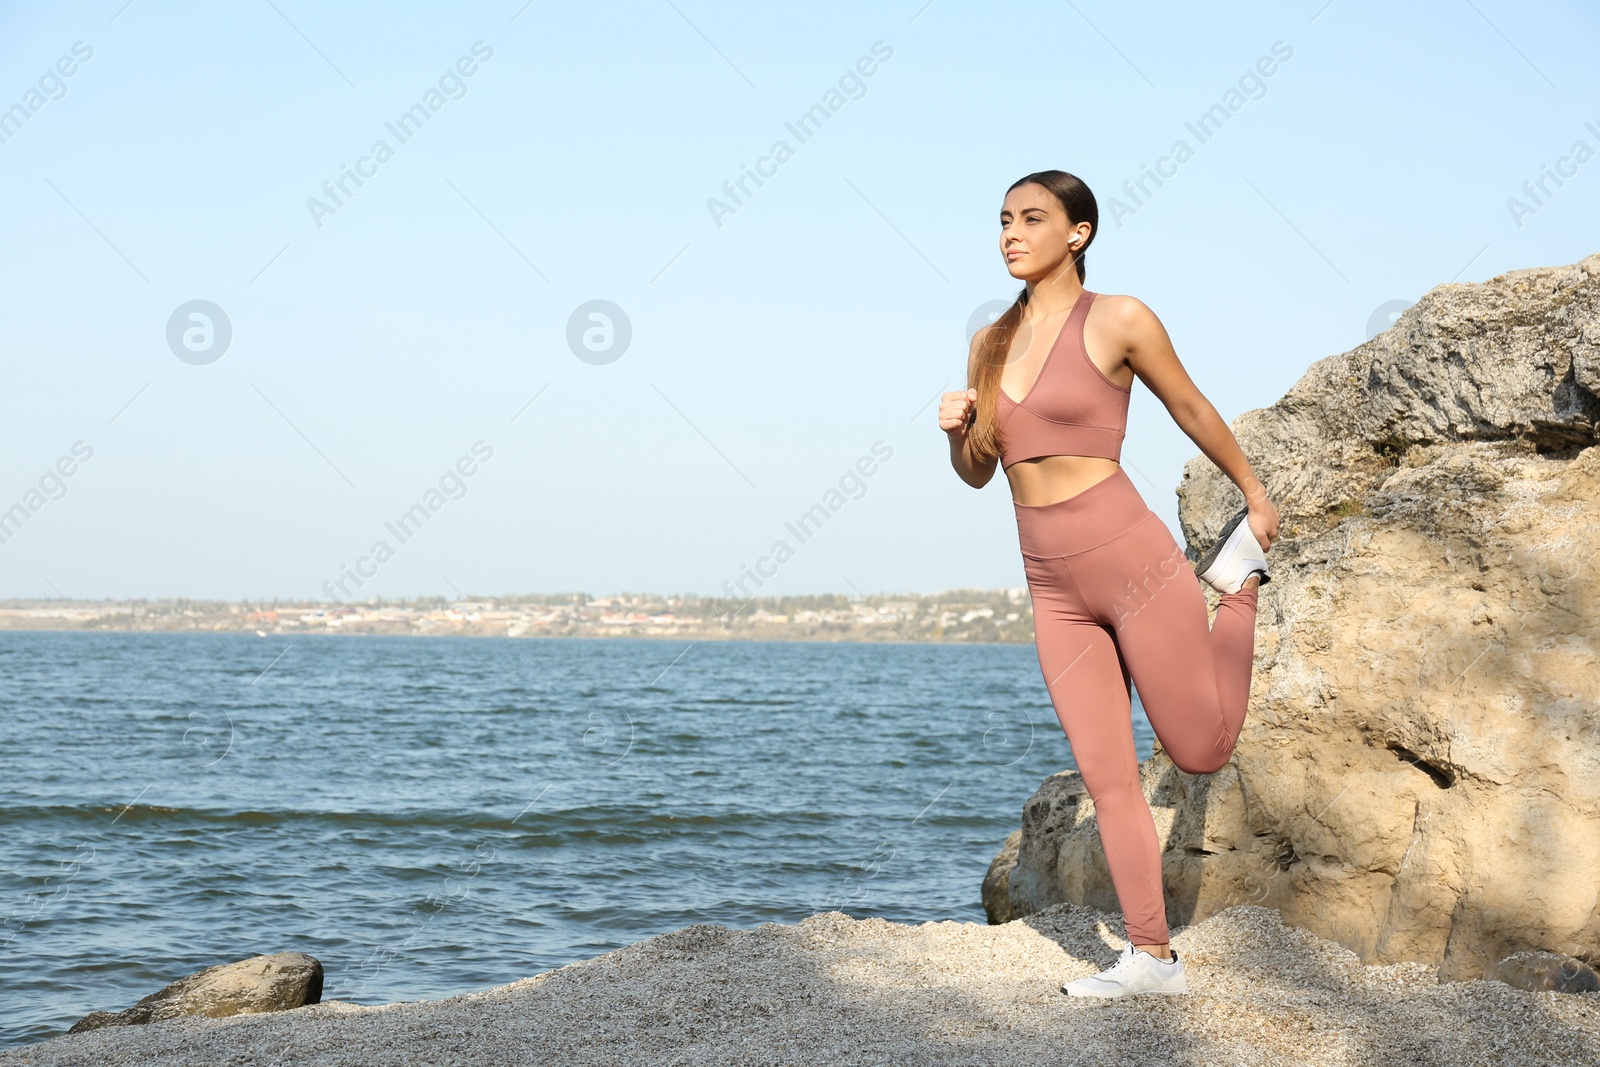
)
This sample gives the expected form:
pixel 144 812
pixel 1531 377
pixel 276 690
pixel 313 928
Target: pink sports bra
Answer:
pixel 1072 408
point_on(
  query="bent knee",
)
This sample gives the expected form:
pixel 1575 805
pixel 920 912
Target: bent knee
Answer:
pixel 1199 763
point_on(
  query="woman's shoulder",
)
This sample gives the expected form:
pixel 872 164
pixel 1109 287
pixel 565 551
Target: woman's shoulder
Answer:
pixel 1119 305
pixel 1123 313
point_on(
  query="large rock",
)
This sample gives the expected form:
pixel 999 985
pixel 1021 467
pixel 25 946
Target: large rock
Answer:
pixel 1539 972
pixel 1419 775
pixel 262 983
pixel 997 883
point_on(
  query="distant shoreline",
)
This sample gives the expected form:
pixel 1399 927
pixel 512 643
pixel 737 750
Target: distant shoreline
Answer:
pixel 846 638
pixel 1002 616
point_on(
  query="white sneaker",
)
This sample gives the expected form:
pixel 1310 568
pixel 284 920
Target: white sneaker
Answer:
pixel 1235 556
pixel 1136 971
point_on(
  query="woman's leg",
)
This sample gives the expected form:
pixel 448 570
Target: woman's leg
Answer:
pixel 1088 687
pixel 1193 678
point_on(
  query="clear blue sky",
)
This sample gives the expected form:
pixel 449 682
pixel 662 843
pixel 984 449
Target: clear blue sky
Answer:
pixel 373 344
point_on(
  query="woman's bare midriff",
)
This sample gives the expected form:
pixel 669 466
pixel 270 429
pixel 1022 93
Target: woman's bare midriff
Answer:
pixel 1052 479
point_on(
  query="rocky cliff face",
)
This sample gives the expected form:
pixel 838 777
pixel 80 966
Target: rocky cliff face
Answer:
pixel 1419 775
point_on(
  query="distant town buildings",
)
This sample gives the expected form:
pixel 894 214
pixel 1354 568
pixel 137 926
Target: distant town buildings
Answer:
pixel 972 615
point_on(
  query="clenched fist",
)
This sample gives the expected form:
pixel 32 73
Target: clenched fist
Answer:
pixel 956 411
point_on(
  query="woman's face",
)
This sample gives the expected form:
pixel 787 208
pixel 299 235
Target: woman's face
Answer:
pixel 1034 231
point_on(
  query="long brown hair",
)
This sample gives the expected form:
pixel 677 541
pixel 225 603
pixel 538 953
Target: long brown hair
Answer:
pixel 1080 205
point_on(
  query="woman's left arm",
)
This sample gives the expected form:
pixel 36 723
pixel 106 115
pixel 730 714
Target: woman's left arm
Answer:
pixel 1148 350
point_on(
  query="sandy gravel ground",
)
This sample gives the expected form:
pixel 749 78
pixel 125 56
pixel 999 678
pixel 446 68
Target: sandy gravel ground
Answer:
pixel 837 990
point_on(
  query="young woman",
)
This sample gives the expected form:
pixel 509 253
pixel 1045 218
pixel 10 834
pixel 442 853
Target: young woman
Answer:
pixel 1114 597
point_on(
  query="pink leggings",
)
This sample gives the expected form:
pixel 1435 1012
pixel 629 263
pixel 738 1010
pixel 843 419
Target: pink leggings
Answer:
pixel 1114 598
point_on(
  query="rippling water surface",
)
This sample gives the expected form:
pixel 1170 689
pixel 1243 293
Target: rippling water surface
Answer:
pixel 432 816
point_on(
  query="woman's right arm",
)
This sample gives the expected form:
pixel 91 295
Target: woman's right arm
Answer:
pixel 956 412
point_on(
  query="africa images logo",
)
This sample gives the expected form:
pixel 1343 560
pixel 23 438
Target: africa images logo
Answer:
pixel 338 191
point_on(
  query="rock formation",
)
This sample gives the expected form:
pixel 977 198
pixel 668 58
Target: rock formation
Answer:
pixel 1541 971
pixel 259 984
pixel 1419 775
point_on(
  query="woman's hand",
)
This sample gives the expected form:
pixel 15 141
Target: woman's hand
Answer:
pixel 955 412
pixel 1263 522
